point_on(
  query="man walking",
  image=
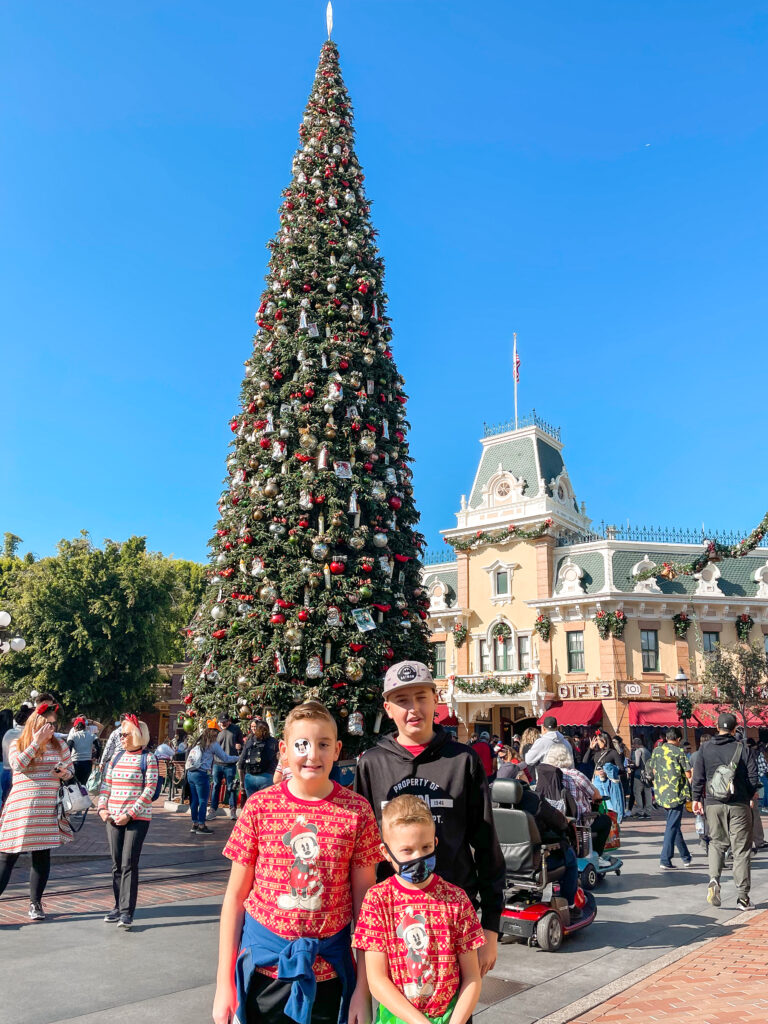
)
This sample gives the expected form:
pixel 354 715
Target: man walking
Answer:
pixel 231 742
pixel 642 792
pixel 550 734
pixel 671 774
pixel 726 773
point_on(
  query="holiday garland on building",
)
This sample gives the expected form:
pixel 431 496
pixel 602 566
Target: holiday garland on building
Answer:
pixel 713 552
pixel 492 684
pixel 744 624
pixel 682 623
pixel 314 583
pixel 543 626
pixel 610 624
pixel 481 538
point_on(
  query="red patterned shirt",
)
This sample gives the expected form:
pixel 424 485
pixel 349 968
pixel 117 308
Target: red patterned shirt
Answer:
pixel 423 932
pixel 303 852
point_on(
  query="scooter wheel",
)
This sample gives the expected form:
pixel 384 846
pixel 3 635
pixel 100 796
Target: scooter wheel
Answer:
pixel 589 877
pixel 549 932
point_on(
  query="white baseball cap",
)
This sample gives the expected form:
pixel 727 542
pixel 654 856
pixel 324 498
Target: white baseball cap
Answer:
pixel 407 673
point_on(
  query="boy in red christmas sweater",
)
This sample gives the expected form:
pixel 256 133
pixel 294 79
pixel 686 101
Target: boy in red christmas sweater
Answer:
pixel 420 934
pixel 303 854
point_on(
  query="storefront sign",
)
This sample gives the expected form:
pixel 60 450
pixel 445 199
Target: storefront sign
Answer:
pixel 658 691
pixel 586 691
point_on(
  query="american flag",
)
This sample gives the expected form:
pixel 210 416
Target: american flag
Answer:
pixel 516 361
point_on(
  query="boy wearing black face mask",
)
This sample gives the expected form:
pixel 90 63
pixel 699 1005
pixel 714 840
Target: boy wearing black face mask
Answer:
pixel 420 934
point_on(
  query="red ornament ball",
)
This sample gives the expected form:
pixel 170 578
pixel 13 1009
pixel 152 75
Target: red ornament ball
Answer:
pixel 394 502
pixel 277 619
pixel 303 615
pixel 337 568
pixel 187 698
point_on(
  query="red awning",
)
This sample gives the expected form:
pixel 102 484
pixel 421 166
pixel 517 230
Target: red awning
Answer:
pixel 575 712
pixel 444 716
pixel 706 715
pixel 653 712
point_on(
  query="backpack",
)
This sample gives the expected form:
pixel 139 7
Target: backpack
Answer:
pixel 194 758
pixel 721 785
pixel 144 757
pixel 256 755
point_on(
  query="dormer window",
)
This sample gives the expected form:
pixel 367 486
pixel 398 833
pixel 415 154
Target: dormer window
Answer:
pixel 503 490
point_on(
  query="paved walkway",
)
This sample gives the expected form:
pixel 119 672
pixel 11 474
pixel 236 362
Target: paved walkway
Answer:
pixel 723 982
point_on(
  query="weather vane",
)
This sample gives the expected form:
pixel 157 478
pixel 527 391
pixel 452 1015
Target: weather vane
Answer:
pixel 329 17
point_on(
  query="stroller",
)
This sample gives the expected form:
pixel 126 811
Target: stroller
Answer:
pixel 534 911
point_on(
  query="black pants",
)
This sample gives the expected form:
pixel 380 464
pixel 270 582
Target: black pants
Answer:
pixel 38 874
pixel 267 996
pixel 82 771
pixel 601 829
pixel 125 843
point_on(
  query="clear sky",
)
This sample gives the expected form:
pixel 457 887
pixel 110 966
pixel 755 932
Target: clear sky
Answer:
pixel 590 175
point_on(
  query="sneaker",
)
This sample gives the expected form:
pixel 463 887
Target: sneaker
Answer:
pixel 126 921
pixel 667 867
pixel 645 814
pixel 687 864
pixel 195 827
pixel 745 903
pixel 205 830
pixel 112 917
pixel 229 813
pixel 605 862
pixel 212 812
pixel 713 892
pixel 36 912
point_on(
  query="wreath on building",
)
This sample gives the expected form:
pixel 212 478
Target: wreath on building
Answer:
pixel 684 707
pixel 483 537
pixel 501 632
pixel 459 635
pixel 610 624
pixel 492 684
pixel 682 623
pixel 744 624
pixel 543 626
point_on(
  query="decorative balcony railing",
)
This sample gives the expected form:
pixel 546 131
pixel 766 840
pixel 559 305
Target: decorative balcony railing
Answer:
pixel 490 429
pixel 495 685
pixel 434 556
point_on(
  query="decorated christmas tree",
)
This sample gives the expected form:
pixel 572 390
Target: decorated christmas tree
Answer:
pixel 314 578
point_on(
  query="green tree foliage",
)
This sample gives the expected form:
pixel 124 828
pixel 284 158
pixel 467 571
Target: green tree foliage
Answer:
pixel 736 679
pixel 314 586
pixel 10 545
pixel 97 622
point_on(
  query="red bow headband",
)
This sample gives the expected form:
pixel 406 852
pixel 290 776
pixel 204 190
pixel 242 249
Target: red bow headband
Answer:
pixel 133 720
pixel 46 706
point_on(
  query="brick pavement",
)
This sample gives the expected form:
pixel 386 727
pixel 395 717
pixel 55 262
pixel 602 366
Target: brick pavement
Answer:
pixel 723 982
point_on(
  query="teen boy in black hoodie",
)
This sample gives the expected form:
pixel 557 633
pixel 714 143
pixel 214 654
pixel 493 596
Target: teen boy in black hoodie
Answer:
pixel 423 760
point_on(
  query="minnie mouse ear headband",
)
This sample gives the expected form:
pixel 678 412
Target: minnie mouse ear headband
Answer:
pixel 132 719
pixel 46 705
pixel 78 721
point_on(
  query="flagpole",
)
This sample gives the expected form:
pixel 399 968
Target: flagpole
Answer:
pixel 514 371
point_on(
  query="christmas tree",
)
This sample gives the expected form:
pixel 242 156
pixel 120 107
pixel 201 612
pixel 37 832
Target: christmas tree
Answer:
pixel 314 579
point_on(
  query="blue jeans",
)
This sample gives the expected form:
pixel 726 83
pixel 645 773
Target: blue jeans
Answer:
pixel 764 782
pixel 223 771
pixel 199 788
pixel 253 783
pixel 569 882
pixel 673 837
pixel 6 775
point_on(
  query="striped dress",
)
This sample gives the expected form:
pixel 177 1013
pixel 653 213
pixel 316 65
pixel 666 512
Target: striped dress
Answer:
pixel 29 820
pixel 124 791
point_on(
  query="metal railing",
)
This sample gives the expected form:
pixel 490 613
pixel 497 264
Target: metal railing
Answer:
pixel 655 535
pixel 490 429
pixel 435 555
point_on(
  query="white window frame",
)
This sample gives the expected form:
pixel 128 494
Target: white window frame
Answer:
pixel 492 570
pixel 520 666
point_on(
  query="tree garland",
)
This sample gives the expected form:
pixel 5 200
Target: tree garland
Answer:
pixel 543 626
pixel 682 623
pixel 483 537
pixel 490 684
pixel 713 552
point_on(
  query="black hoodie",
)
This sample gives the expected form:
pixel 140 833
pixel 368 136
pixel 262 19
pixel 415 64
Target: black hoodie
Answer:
pixel 450 778
pixel 720 750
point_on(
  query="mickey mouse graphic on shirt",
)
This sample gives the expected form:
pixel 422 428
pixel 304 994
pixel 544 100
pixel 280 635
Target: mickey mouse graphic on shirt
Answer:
pixel 304 880
pixel 412 930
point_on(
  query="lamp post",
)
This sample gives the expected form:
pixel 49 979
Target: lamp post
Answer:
pixel 7 641
pixel 683 701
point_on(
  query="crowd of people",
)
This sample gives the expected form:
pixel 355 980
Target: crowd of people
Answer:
pixel 403 871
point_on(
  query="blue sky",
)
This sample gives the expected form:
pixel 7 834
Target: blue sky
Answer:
pixel 592 176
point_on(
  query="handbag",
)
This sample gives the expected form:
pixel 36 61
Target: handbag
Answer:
pixel 93 785
pixel 72 798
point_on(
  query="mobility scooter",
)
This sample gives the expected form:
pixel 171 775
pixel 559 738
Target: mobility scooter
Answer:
pixel 592 869
pixel 534 912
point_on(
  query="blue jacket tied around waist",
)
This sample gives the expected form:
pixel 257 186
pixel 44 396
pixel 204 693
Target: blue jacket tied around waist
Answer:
pixel 260 947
